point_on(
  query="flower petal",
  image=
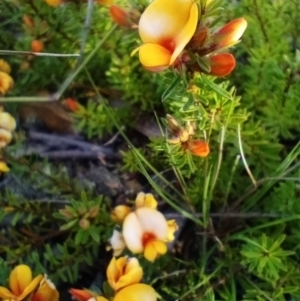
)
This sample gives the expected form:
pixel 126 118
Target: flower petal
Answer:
pixel 136 292
pixel 80 295
pixel 6 294
pixel 154 57
pixel 222 64
pixel 186 33
pixel 163 20
pixel 46 291
pixel 117 243
pixel 119 213
pixel 152 221
pixel 145 200
pixel 20 278
pixel 31 287
pixel 133 233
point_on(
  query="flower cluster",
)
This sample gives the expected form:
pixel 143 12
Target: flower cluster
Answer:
pixel 123 275
pixel 184 137
pixel 23 286
pixel 177 33
pixel 144 230
pixel 6 81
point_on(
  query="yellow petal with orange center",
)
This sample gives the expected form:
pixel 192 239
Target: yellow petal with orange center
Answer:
pixel 154 57
pixel 136 292
pixel 31 287
pixel 20 278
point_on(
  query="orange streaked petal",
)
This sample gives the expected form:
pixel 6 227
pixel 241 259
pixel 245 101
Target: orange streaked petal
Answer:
pixel 154 57
pixel 186 33
pixel 20 278
pixel 222 64
pixel 231 32
pixel 120 16
pixel 31 287
pixel 136 292
pixel 46 291
pixel 199 148
pixel 80 295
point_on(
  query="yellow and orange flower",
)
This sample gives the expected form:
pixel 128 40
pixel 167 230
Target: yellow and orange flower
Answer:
pixel 166 27
pixel 145 231
pixel 21 284
pixel 6 82
pixel 46 291
pixel 123 272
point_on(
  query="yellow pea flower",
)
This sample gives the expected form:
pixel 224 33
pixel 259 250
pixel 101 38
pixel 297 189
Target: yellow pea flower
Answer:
pixel 172 228
pixel 145 200
pixel 21 284
pixel 145 231
pixel 3 168
pixel 166 27
pixel 123 272
pixel 6 82
pixel 136 292
pixel 119 213
pixel 4 66
pixel 46 291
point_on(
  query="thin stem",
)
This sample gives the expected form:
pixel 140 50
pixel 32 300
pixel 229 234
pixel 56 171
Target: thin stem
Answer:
pixel 244 159
pixel 15 52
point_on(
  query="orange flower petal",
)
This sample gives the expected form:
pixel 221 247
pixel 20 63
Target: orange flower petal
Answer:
pixel 120 16
pixel 222 64
pixel 136 292
pixel 80 295
pixel 199 148
pixel 231 32
pixel 154 57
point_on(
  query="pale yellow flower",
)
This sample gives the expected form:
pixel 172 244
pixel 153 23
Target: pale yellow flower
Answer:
pixel 123 272
pixel 7 122
pixel 3 168
pixel 145 231
pixel 5 137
